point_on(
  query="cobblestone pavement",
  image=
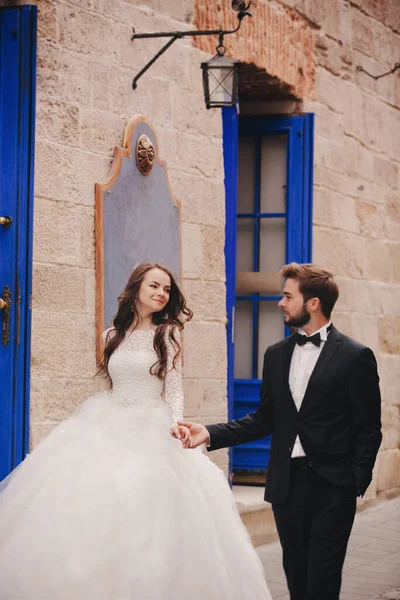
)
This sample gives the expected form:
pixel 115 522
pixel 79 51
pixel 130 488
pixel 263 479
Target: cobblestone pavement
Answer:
pixel 372 567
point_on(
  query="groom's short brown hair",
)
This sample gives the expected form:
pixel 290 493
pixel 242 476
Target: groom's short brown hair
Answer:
pixel 314 282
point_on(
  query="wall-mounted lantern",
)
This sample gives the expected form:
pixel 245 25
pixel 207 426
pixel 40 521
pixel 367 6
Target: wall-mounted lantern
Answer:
pixel 220 74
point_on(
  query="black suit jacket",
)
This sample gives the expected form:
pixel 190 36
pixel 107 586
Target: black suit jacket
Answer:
pixel 339 422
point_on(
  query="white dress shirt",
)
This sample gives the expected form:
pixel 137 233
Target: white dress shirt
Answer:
pixel 304 359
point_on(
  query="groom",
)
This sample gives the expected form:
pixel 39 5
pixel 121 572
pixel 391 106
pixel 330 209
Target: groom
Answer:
pixel 320 400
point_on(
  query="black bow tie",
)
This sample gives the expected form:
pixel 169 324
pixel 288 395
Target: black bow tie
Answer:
pixel 303 339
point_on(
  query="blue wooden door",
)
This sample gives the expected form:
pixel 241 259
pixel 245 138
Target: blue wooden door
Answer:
pixel 17 109
pixel 268 225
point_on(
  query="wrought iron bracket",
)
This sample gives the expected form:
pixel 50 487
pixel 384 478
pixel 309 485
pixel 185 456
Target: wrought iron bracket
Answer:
pixel 239 6
pixel 376 77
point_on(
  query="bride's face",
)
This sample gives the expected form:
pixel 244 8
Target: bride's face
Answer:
pixel 154 292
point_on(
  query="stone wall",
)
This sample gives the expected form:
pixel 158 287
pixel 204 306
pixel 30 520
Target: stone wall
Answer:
pixel 313 47
pixel 356 193
pixel 86 62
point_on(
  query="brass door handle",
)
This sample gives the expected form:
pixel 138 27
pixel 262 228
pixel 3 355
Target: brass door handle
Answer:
pixel 6 222
pixel 5 306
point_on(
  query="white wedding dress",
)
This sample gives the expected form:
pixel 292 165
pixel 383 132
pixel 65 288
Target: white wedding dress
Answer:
pixel 110 507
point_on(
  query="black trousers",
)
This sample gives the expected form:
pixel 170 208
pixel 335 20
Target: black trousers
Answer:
pixel 314 526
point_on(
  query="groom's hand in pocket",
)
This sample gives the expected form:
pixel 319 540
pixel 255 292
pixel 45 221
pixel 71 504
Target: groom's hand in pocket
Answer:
pixel 199 433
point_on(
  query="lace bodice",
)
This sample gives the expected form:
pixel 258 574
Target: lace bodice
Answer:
pixel 134 386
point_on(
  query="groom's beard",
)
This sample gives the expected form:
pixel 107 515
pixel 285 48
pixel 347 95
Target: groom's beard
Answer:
pixel 299 320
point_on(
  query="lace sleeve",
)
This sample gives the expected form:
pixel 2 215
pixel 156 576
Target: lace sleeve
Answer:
pixel 173 392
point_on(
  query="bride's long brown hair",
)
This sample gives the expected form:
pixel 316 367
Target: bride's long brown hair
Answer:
pixel 172 316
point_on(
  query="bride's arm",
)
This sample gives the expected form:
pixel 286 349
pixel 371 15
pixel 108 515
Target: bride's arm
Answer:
pixel 173 391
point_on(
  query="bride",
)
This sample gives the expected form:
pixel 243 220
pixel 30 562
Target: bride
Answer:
pixel 109 506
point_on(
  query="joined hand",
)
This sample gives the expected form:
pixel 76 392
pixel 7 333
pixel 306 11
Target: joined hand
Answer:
pixel 182 433
pixel 199 434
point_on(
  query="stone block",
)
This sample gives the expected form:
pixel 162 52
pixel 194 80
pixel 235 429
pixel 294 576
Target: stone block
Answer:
pixel 371 219
pixel 57 121
pixel 55 232
pixel 330 90
pixel 392 230
pixel 360 295
pixel 386 172
pixel 389 334
pixel 328 123
pixel 202 199
pixel 385 43
pixel 380 126
pixel 357 159
pixel 328 53
pixel 206 358
pixel 373 8
pixel 392 205
pixel 153 97
pixel 344 254
pixel 366 328
pixel 197 154
pixel 371 65
pixel 213 254
pixel 391 427
pixel 394 253
pixel 101 130
pixel 64 289
pixel 62 346
pixel 193 394
pixel 329 153
pixel 47 19
pixel 86 32
pixel 391 15
pixel 368 297
pixel 354 117
pixel 390 296
pixel 106 85
pixel 365 118
pixel 345 302
pixel 379 258
pixel 362 32
pixel 86 238
pixel 345 185
pixel 192 250
pixel 389 470
pixel 389 372
pixel 179 11
pixel 346 30
pixel 206 299
pixel 334 210
pixel 62 75
pixel 324 14
pixel 57 399
pixel 205 399
pixel 55 175
pixel 91 168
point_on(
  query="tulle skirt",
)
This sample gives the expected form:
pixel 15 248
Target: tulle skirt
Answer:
pixel 110 507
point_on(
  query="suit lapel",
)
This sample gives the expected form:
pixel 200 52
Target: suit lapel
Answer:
pixel 286 360
pixel 328 352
